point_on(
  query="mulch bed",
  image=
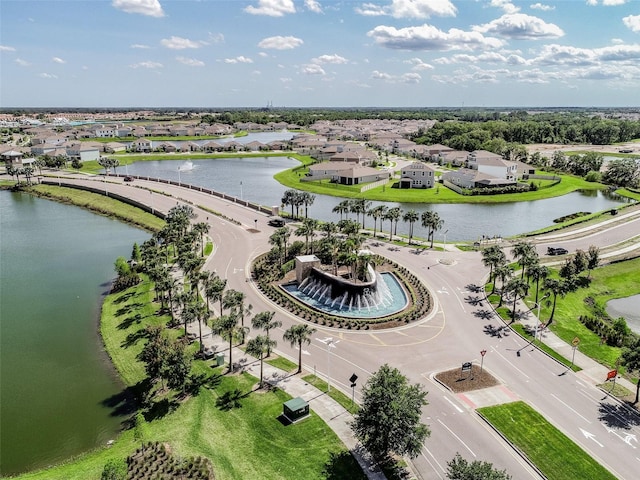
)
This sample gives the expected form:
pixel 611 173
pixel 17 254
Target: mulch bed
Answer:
pixel 459 382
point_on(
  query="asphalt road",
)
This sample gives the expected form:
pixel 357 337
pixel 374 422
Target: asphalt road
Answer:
pixel 458 328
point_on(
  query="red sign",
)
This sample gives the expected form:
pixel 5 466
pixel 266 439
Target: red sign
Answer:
pixel 482 352
pixel 612 374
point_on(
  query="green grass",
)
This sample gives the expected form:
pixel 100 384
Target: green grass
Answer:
pixel 616 280
pixel 337 395
pixel 556 455
pixel 282 363
pixel 438 194
pixel 100 204
pixel 228 422
pixel 208 249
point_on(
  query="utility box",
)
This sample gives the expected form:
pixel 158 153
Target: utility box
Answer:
pixel 295 409
pixel 220 359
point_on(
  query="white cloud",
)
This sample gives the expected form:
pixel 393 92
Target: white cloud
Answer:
pixel 522 26
pixel 409 9
pixel 632 22
pixel 58 60
pixel 312 69
pixel 286 79
pixel 474 75
pixel 179 43
pixel 190 62
pixel 428 37
pixel 335 59
pixel 47 75
pixel 280 43
pixel 239 59
pixel 607 3
pixel 272 8
pixel 140 46
pixel 151 8
pixel 387 77
pixel 418 64
pixel 505 5
pixel 542 7
pixel 486 57
pixel 313 5
pixel 22 63
pixel 147 64
pixel 5 48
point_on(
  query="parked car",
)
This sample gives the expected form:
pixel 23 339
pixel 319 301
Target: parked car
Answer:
pixel 128 179
pixel 276 222
pixel 557 251
pixel 208 352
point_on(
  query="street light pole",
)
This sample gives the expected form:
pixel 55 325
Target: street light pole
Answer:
pixel 330 343
pixel 535 334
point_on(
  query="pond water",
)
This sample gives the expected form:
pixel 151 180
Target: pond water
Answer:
pixel 251 178
pixel 629 308
pixel 56 381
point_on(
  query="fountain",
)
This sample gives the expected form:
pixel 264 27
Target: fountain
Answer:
pixel 186 166
pixel 378 295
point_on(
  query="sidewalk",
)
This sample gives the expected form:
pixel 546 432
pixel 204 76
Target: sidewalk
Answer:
pixel 592 371
pixel 321 404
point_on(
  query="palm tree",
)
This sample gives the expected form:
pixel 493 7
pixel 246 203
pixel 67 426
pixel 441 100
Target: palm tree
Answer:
pixel 519 288
pixel 288 198
pixel 265 321
pixel 555 287
pixel 504 274
pixel 201 228
pixel 307 200
pixel 307 229
pixel 412 217
pixel 523 252
pixel 342 207
pixel 432 222
pixel 298 335
pixel 329 229
pixel 377 213
pixel 258 347
pixel 227 327
pixel 214 290
pixel 393 215
pixel 538 272
pixel 493 257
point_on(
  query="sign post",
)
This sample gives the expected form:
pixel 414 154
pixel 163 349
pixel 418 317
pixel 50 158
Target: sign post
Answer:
pixel 574 343
pixel 482 354
pixel 353 379
pixel 466 367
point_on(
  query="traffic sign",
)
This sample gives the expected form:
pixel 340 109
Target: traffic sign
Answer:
pixel 466 367
pixel 483 352
pixel 353 378
pixel 575 342
pixel 612 374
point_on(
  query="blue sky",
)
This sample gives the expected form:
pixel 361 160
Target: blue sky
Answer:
pixel 319 53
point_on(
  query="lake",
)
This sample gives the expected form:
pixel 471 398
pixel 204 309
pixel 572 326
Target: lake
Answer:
pixel 56 263
pixel 251 178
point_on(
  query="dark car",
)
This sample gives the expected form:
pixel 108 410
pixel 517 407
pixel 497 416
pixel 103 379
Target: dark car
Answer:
pixel 557 251
pixel 207 353
pixel 276 222
pixel 128 179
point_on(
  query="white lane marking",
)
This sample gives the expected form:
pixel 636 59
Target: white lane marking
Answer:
pixel 627 437
pixel 590 436
pixel 556 397
pixel 454 405
pixel 457 437
pixel 431 464
pixel 226 270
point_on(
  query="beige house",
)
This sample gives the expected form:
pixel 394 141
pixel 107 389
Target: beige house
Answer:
pixel 417 175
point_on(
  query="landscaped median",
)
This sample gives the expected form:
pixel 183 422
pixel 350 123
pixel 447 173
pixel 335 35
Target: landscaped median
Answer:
pixel 546 447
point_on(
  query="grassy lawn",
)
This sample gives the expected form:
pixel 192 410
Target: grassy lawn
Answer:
pixel 229 422
pixel 337 395
pixel 616 280
pixel 556 455
pixel 100 204
pixel 438 194
pixel 282 363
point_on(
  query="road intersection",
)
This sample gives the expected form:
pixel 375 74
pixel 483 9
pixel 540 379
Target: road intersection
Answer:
pixel 460 325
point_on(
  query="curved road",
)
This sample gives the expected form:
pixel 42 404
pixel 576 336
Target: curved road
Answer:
pixel 457 329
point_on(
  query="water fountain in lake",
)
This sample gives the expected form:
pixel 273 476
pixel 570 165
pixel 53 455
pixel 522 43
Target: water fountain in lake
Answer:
pixel 379 295
pixel 186 166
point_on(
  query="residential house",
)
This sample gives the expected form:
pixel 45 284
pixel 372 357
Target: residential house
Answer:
pixel 359 174
pixel 417 175
pixel 454 158
pixel 492 164
pixel 469 178
pixel 113 147
pixel 141 145
pixel 255 146
pixel 82 151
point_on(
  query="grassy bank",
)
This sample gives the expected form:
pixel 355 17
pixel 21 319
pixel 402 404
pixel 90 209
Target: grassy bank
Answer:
pixel 555 454
pixel 99 204
pixel 227 421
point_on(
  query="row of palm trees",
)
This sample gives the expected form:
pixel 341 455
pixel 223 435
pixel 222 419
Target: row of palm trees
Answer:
pixel 179 245
pixel 363 208
pixel 532 271
pixel 296 199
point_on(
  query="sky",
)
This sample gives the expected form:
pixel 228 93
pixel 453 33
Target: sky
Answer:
pixel 319 53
